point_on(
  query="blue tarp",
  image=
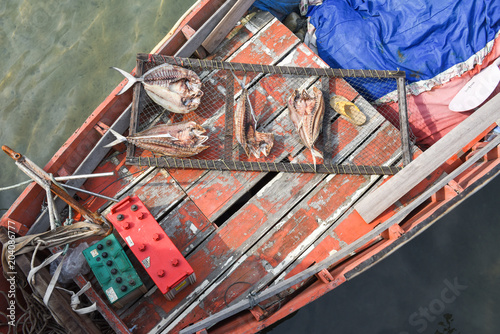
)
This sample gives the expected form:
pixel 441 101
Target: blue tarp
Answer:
pixel 279 8
pixel 421 37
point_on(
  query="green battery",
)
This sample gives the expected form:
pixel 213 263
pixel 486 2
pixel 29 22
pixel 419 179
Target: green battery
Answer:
pixel 113 270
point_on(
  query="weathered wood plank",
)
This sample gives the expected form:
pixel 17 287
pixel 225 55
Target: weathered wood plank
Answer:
pixel 241 34
pixel 187 226
pixel 226 24
pixel 384 196
pixel 194 42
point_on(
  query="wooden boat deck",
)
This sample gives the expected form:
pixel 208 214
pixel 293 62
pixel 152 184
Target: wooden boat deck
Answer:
pixel 244 231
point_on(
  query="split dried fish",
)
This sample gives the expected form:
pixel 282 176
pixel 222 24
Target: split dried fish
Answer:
pixel 245 123
pixel 176 140
pixel 173 87
pixel 306 112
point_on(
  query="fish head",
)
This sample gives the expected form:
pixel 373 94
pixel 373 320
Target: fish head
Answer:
pixel 261 143
pixel 190 104
pixel 194 85
pixel 197 129
pixel 266 143
pixel 305 96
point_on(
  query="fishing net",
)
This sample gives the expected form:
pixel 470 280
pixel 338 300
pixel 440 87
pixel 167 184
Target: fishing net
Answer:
pixel 364 140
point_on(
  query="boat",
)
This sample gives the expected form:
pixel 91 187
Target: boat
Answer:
pixel 262 240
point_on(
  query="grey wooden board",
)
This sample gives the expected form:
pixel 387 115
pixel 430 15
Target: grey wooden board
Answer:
pixel 201 34
pixel 161 196
pixel 171 225
pixel 381 198
pixel 403 120
pixel 226 24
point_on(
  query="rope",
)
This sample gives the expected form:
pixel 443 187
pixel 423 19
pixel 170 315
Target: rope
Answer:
pixel 60 236
pixel 16 185
pixel 230 286
pixel 35 318
pixel 75 300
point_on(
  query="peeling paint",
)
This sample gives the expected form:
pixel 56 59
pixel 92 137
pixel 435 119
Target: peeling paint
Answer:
pixel 193 228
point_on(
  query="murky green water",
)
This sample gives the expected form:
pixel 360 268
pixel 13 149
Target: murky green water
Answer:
pixel 54 71
pixel 54 68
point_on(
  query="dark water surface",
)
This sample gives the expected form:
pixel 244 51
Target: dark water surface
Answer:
pixel 55 70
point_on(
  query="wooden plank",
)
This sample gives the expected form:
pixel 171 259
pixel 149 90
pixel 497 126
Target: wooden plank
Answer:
pixel 195 16
pixel 377 202
pixel 241 34
pixel 226 24
pixel 403 121
pixel 158 191
pixel 201 34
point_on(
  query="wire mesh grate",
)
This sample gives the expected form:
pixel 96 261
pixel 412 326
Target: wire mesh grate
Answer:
pixel 350 143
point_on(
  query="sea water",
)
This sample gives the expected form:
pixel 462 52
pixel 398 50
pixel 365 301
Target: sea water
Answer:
pixel 54 70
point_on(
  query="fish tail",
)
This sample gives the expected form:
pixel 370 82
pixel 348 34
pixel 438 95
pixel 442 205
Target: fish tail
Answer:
pixel 119 139
pixel 131 80
pixel 315 153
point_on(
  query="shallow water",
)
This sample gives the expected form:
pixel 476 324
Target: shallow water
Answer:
pixel 55 67
pixel 55 70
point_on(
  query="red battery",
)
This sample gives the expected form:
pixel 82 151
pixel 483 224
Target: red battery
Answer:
pixel 150 244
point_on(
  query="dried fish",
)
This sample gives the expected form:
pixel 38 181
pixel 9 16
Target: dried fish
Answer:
pixel 245 123
pixel 306 112
pixel 176 140
pixel 173 87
